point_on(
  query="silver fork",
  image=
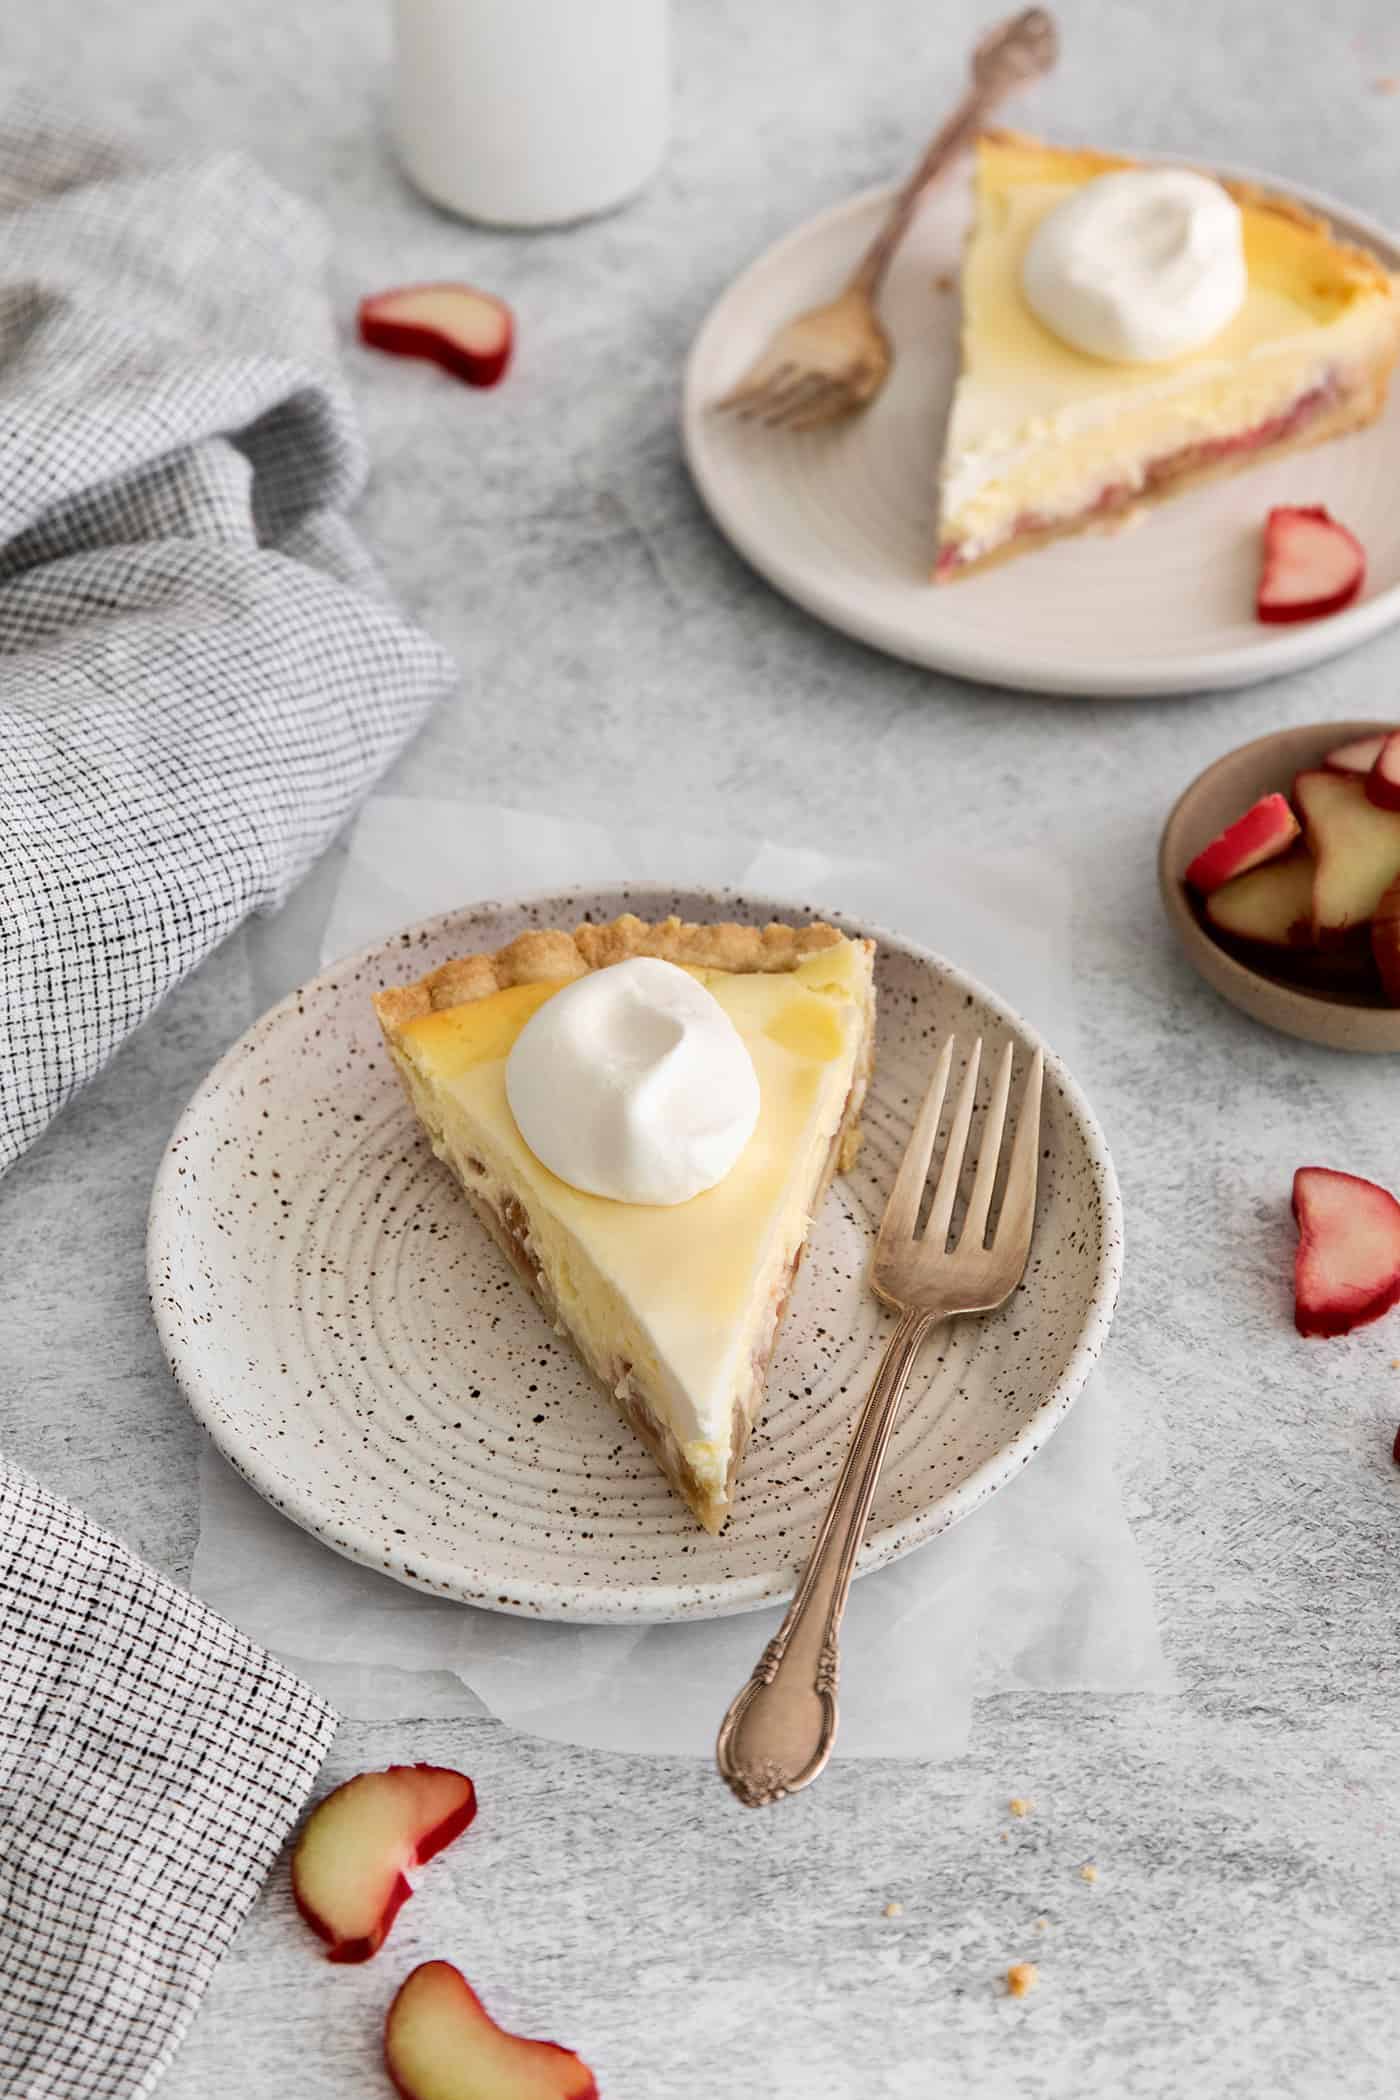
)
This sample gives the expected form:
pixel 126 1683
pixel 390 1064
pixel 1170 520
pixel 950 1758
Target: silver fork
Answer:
pixel 835 358
pixel 778 1733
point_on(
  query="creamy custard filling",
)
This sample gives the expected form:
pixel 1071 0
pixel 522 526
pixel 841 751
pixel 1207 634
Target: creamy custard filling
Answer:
pixel 563 1277
pixel 647 1402
pixel 575 1293
pixel 1034 504
pixel 1059 479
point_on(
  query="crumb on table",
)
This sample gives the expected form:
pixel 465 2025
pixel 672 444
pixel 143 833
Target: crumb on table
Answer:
pixel 1019 1807
pixel 1088 1872
pixel 1041 1923
pixel 1387 84
pixel 894 1910
pixel 1021 1979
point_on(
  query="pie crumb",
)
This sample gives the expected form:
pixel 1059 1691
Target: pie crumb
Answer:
pixel 1388 84
pixel 1003 1835
pixel 1019 1807
pixel 894 1910
pixel 944 281
pixel 1021 1979
pixel 1041 1923
pixel 1088 1872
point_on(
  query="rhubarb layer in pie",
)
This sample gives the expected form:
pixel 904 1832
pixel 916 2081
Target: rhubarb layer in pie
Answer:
pixel 1043 439
pixel 675 1310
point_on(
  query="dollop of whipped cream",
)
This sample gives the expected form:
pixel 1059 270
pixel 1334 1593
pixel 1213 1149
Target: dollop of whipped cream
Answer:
pixel 634 1083
pixel 1138 266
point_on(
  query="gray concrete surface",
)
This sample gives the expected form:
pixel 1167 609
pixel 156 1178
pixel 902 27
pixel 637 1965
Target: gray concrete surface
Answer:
pixel 1241 1937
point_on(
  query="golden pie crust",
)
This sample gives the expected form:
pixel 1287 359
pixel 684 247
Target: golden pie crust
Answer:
pixel 552 957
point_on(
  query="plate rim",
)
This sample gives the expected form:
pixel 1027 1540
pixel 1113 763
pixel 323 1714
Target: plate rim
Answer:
pixel 636 1604
pixel 1275 655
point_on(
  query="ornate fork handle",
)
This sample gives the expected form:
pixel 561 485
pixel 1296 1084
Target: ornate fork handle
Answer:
pixel 1010 55
pixel 778 1733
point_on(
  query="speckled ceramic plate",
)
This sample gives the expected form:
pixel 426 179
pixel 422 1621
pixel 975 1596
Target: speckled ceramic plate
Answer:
pixel 842 520
pixel 361 1353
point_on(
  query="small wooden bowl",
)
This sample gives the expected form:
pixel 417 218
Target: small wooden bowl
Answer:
pixel 1213 800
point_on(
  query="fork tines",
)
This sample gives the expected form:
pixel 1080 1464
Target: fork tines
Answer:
pixel 1018 1200
pixel 782 398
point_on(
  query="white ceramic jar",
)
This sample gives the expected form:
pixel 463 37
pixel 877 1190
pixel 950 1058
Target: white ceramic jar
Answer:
pixel 531 112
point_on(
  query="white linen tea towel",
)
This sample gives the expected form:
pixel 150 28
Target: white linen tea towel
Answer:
pixel 199 675
pixel 152 1759
pixel 199 679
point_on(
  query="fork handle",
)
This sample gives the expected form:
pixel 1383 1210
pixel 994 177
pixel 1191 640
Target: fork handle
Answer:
pixel 778 1733
pixel 961 128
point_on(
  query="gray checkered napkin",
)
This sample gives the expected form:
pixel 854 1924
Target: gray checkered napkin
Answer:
pixel 198 679
pixel 199 676
pixel 152 1760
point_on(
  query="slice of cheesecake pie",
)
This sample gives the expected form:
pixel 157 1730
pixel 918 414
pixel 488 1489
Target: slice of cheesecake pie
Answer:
pixel 675 1310
pixel 1044 439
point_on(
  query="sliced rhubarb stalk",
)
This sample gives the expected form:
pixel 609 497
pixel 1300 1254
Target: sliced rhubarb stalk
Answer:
pixel 1383 780
pixel 351 1867
pixel 1347 1269
pixel 1271 905
pixel 1355 845
pixel 468 333
pixel 1263 833
pixel 1312 565
pixel 1385 942
pixel 1356 757
pixel 440 2043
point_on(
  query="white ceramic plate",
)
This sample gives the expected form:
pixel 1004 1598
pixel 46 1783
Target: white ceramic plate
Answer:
pixel 359 1350
pixel 843 520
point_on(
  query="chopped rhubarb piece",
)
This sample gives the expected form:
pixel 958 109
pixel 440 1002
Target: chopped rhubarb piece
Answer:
pixel 440 2043
pixel 467 332
pixel 1383 780
pixel 1271 905
pixel 1356 847
pixel 1348 1263
pixel 1262 833
pixel 1385 942
pixel 1312 565
pixel 352 1862
pixel 1356 757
